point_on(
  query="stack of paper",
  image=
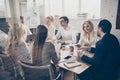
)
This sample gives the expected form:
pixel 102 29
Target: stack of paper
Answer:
pixel 72 64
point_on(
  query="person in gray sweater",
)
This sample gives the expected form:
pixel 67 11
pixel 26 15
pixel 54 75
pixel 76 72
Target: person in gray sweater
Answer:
pixel 16 45
pixel 43 51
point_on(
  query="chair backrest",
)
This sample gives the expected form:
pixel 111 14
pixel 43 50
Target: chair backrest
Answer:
pixel 32 72
pixel 78 37
pixel 7 63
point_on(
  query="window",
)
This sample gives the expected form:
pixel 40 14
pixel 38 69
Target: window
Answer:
pixel 91 7
pixel 61 7
pixel 53 7
pixel 73 7
pixel 2 9
pixel 32 14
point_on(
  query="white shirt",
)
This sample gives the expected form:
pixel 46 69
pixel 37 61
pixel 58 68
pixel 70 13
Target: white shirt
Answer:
pixel 51 32
pixel 90 42
pixel 27 31
pixel 67 34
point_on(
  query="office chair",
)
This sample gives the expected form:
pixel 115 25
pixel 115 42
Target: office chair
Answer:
pixel 8 64
pixel 32 72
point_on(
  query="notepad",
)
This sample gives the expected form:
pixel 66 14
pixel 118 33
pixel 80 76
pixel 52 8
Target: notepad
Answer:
pixel 72 64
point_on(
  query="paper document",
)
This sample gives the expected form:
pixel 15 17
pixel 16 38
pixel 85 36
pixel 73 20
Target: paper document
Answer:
pixel 72 64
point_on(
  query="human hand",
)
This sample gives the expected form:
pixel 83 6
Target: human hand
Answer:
pixel 79 52
pixel 85 48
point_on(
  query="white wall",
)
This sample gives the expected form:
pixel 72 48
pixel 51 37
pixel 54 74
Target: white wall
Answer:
pixel 109 11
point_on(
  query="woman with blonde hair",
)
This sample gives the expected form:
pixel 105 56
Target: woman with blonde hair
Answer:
pixel 16 45
pixel 51 28
pixel 88 35
pixel 88 38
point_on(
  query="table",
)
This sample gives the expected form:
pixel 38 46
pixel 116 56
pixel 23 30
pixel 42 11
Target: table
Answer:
pixel 65 51
pixel 77 69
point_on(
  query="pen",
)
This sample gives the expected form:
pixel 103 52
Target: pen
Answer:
pixel 71 66
pixel 70 62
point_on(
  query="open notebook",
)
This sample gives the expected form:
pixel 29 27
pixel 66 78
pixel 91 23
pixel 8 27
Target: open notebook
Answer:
pixel 72 64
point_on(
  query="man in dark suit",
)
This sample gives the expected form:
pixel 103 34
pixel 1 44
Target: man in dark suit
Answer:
pixel 106 59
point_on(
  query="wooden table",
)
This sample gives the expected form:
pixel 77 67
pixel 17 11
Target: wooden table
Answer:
pixel 77 69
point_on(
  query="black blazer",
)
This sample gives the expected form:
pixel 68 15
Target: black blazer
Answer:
pixel 106 59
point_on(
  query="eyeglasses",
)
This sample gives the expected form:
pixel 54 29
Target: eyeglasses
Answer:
pixel 62 21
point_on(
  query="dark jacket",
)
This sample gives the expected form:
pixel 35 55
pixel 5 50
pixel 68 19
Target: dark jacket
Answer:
pixel 106 60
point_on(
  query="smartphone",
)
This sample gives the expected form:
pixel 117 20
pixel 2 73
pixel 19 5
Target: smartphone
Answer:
pixel 67 57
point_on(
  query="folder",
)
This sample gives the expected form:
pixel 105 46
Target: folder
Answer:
pixel 72 64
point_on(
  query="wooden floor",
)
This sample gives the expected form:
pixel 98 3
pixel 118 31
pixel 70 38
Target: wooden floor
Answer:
pixel 68 76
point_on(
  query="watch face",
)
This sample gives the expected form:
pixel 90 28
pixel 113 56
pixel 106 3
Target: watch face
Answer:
pixel 67 57
pixel 89 49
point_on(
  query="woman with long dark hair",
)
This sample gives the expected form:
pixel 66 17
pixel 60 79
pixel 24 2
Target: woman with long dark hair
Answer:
pixel 43 51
